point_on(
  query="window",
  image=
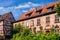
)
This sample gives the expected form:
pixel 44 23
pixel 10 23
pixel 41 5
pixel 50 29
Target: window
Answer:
pixel 50 9
pixel 56 19
pixel 27 24
pixel 39 11
pixel 47 19
pixel 38 22
pixel 32 22
pixel 28 15
pixel 8 32
pixel 22 23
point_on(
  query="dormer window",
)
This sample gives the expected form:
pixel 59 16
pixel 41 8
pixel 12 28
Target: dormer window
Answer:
pixel 39 11
pixel 50 9
pixel 28 15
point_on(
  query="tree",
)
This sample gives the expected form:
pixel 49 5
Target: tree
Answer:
pixel 57 29
pixel 34 30
pixel 56 26
pixel 17 29
pixel 52 29
pixel 26 34
pixel 57 9
pixel 41 28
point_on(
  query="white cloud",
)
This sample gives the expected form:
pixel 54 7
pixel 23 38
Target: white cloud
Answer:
pixel 25 5
pixel 22 6
pixel 20 9
pixel 1 7
pixel 28 4
pixel 35 4
pixel 27 10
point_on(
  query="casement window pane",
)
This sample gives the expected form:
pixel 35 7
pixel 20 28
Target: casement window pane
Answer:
pixel 47 19
pixel 32 22
pixel 56 19
pixel 38 22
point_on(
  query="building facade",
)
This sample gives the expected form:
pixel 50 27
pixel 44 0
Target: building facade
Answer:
pixel 6 25
pixel 44 16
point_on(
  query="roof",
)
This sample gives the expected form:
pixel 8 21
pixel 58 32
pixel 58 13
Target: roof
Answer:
pixel 33 12
pixel 7 16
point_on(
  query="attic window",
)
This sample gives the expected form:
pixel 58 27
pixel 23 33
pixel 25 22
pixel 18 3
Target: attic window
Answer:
pixel 39 11
pixel 28 15
pixel 50 9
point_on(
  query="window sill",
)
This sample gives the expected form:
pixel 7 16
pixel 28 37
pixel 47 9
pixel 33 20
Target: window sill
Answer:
pixel 57 22
pixel 38 25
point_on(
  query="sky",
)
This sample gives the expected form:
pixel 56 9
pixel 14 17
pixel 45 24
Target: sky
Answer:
pixel 18 7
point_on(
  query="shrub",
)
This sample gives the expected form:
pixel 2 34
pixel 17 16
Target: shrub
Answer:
pixel 26 34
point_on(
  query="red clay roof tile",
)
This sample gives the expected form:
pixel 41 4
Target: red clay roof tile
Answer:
pixel 43 8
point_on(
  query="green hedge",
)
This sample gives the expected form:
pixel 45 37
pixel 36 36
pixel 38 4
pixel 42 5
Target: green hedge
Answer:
pixel 21 33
